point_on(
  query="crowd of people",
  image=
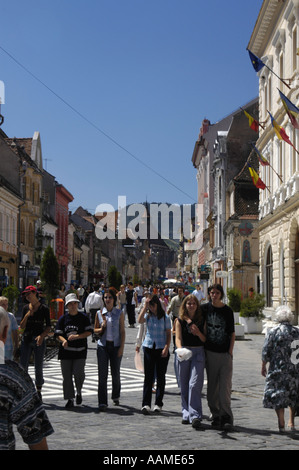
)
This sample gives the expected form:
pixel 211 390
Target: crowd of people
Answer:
pixel 200 331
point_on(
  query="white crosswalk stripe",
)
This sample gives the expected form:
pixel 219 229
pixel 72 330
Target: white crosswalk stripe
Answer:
pixel 131 380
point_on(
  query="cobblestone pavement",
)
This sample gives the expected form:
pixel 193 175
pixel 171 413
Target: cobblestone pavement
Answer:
pixel 123 430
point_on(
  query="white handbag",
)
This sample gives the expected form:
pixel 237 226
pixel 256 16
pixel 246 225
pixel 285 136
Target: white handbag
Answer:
pixel 183 354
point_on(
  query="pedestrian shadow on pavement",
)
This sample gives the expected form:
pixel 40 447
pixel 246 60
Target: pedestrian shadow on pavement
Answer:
pixel 265 432
pixel 124 410
pixel 253 432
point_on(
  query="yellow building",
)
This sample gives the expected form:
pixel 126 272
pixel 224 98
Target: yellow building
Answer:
pixel 29 153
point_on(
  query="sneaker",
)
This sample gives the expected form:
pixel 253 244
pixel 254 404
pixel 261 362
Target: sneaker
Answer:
pixel 215 422
pixel 116 401
pixel 145 410
pixel 78 399
pixel 185 421
pixel 103 408
pixel 227 427
pixel 157 408
pixel 69 404
pixel 196 423
pixel 226 424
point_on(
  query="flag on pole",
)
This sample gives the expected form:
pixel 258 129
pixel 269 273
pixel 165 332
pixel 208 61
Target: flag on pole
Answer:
pixel 263 161
pixel 280 132
pixel 253 123
pixel 257 63
pixel 256 179
pixel 291 110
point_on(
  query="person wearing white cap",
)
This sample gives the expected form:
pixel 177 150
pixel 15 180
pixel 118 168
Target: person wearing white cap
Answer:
pixel 72 330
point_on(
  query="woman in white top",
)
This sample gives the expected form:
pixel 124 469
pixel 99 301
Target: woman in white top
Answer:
pixel 110 326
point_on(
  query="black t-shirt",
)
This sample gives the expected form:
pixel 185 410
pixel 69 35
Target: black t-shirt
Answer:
pixel 220 326
pixel 36 323
pixel 129 296
pixel 188 339
pixel 73 324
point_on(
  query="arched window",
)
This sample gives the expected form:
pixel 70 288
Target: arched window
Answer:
pixel 269 278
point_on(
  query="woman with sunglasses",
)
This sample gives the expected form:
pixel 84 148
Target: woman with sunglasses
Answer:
pixel 156 351
pixel 110 326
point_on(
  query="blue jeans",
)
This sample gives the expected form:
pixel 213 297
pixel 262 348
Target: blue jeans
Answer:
pixel 191 378
pixel 106 354
pixel 39 351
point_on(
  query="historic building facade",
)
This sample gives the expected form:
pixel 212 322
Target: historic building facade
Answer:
pixel 275 41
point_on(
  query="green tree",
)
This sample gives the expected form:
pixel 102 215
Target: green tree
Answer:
pixel 12 293
pixel 234 299
pixel 49 274
pixel 114 277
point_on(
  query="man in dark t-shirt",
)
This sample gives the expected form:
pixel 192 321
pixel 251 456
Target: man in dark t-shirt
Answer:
pixel 220 327
pixel 219 353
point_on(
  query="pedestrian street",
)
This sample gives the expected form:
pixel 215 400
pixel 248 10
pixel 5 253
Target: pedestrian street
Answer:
pixel 131 380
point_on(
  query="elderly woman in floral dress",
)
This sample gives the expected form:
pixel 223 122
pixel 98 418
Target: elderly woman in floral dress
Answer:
pixel 282 378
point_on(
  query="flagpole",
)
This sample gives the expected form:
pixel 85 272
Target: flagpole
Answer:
pixel 281 79
pixel 262 64
pixel 268 164
pixel 295 149
pixel 276 172
pixel 254 119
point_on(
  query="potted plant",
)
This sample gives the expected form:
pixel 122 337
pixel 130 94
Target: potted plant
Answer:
pixel 234 301
pixel 251 313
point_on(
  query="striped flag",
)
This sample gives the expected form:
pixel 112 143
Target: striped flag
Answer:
pixel 279 131
pixel 253 123
pixel 256 179
pixel 263 161
pixel 291 110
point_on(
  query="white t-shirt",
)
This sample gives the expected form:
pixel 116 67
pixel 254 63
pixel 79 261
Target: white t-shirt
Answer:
pixel 199 294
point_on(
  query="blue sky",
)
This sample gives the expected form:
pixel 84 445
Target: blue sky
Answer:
pixel 128 83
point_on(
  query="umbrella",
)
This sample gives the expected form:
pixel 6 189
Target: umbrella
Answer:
pixel 170 281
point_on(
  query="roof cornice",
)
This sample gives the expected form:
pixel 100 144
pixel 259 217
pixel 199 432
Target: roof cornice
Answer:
pixel 269 14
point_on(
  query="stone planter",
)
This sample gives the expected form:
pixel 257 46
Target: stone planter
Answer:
pixel 239 331
pixel 251 325
pixel 236 317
